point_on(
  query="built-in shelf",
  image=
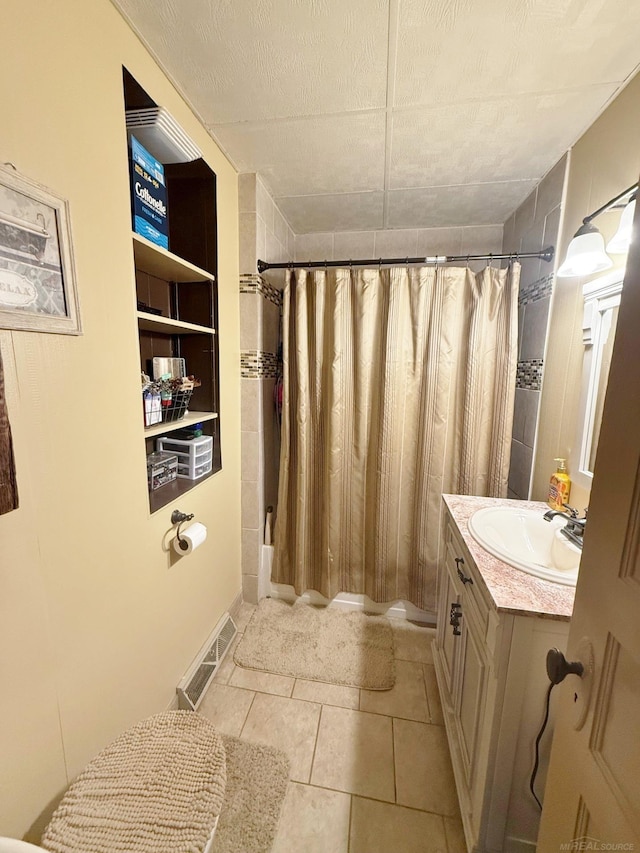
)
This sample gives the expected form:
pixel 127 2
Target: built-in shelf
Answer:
pixel 188 420
pixel 171 491
pixel 165 325
pixel 164 264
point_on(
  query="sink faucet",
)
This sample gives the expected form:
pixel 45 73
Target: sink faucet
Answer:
pixel 574 528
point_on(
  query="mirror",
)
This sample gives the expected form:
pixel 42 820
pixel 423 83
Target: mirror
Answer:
pixel 601 304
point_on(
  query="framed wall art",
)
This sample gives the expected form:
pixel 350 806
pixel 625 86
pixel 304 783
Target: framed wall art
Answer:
pixel 37 276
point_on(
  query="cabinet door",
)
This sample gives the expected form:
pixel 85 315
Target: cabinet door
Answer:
pixel 447 640
pixel 470 707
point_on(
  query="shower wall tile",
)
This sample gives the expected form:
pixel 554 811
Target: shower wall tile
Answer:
pixel 402 243
pixel 508 235
pixel 534 333
pixel 250 321
pixel 525 413
pixel 251 405
pixel 250 551
pixel 520 469
pixel 440 241
pixel 270 326
pixel 353 244
pixel 250 589
pixel 550 189
pixel 247 192
pixel 248 232
pixel 265 205
pixel 314 247
pixel 525 214
pixel 252 505
pixel 251 456
pixel 481 239
pixel 552 229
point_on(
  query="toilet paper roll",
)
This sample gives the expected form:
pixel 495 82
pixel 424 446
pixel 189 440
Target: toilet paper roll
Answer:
pixel 190 538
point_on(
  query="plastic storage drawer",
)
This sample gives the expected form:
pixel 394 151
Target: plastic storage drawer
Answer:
pixel 195 455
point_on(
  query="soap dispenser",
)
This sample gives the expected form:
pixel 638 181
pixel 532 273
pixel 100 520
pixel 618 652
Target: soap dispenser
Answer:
pixel 559 486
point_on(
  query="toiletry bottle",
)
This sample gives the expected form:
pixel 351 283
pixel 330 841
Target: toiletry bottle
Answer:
pixel 559 486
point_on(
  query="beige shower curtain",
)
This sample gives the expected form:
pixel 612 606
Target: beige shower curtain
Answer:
pixel 398 387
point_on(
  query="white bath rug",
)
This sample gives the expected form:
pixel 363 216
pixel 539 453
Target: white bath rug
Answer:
pixel 319 644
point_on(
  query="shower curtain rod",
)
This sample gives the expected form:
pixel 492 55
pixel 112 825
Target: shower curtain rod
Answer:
pixel 545 255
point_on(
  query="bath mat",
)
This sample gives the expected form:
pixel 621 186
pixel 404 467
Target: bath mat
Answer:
pixel 319 644
pixel 257 778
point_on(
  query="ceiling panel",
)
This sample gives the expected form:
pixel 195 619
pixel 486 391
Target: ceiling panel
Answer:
pixel 353 212
pixel 471 204
pixel 455 51
pixel 485 96
pixel 242 60
pixel 316 155
pixel 485 140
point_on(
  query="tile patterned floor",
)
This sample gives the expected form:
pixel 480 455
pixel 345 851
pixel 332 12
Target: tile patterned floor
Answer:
pixel 370 770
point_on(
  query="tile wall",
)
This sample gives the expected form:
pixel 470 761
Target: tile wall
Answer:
pixel 534 226
pixel 265 235
pixel 400 243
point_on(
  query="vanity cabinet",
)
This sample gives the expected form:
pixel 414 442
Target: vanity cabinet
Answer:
pixel 491 673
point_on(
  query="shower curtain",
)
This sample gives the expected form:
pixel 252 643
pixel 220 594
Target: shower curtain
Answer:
pixel 398 387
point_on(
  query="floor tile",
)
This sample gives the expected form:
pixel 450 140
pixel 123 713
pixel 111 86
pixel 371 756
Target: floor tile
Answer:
pixel 433 695
pixel 407 698
pixel 455 835
pixel 385 828
pixel 327 694
pixel 244 615
pixel 412 642
pixel 288 724
pixel 264 682
pixel 226 706
pixel 424 778
pixel 313 820
pixel 354 753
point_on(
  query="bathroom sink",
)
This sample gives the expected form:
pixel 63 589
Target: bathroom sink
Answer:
pixel 523 539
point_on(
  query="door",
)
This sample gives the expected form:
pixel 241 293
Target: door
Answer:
pixel 592 796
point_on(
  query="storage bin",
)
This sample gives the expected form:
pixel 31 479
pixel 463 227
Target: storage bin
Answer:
pixel 195 455
pixel 162 468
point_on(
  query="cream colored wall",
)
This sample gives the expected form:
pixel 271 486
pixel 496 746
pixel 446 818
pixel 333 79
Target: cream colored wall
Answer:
pixel 603 162
pixel 97 623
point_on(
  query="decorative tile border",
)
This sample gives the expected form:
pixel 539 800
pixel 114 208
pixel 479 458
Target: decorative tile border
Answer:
pixel 254 283
pixel 529 374
pixel 536 291
pixel 255 364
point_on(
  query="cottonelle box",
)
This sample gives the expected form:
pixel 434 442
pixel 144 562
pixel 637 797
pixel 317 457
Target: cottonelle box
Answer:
pixel 148 196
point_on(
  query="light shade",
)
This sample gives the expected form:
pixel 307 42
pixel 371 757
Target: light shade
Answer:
pixel 585 254
pixel 619 243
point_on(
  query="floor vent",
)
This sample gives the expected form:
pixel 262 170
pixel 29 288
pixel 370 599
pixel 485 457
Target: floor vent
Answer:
pixel 196 680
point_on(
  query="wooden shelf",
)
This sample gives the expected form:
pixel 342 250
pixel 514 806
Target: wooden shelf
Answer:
pixel 159 262
pixel 170 426
pixel 171 491
pixel 167 326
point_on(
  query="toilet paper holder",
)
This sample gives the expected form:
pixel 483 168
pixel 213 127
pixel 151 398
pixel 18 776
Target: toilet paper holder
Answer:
pixel 179 518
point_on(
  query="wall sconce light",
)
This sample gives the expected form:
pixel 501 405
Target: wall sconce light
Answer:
pixel 586 253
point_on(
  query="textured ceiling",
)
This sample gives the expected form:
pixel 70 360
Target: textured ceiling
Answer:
pixel 371 114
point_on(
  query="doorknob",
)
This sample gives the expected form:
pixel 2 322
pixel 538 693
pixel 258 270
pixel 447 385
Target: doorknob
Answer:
pixel 558 667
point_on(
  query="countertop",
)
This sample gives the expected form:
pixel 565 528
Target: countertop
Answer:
pixel 511 590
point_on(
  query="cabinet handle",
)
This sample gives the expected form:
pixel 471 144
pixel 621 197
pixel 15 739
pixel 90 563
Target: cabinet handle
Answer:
pixel 454 617
pixel 461 574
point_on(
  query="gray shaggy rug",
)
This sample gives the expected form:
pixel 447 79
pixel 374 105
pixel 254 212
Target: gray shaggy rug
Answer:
pixel 320 644
pixel 257 778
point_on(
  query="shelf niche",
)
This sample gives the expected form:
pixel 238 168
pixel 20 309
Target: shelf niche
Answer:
pixel 181 284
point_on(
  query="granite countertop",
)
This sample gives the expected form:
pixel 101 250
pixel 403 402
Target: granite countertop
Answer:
pixel 510 589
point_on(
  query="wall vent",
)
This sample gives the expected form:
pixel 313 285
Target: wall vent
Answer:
pixel 196 680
